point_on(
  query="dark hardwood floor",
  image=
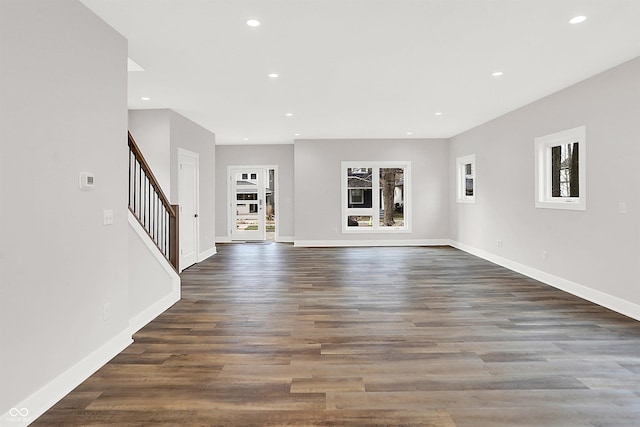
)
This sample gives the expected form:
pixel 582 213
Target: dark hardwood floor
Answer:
pixel 269 334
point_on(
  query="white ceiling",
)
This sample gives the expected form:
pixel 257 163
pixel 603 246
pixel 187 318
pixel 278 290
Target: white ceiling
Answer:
pixel 362 68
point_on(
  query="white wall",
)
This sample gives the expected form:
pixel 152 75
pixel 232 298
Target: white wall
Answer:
pixel 597 250
pixel 63 96
pixel 160 133
pixel 151 131
pixel 154 285
pixel 318 189
pixel 190 136
pixel 240 155
pixel 63 110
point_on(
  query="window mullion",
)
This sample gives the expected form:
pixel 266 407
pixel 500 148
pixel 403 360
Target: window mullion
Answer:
pixel 375 185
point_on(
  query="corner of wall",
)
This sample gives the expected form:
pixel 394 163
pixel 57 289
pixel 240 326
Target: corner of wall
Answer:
pixel 597 297
pixel 163 277
pixel 207 253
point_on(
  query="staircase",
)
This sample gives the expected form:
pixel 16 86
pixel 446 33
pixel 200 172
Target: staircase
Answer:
pixel 154 282
pixel 151 207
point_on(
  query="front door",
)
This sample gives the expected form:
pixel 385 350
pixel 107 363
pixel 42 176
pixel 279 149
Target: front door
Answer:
pixel 247 203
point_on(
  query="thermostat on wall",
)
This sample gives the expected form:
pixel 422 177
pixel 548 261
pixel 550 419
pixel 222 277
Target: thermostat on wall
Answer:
pixel 87 180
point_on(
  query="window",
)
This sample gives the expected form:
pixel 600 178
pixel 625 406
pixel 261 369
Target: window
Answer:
pixel 374 196
pixel 561 170
pixel 359 170
pixel 466 179
pixel 356 196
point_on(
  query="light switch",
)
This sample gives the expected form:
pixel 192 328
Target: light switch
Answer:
pixel 622 207
pixel 107 217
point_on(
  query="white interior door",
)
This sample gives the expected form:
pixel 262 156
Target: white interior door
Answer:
pixel 188 174
pixel 247 204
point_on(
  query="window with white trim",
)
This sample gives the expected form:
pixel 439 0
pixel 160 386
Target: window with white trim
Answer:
pixel 375 196
pixel 466 179
pixel 561 170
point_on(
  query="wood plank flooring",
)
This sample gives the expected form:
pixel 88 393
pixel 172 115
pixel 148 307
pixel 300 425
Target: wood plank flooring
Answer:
pixel 272 335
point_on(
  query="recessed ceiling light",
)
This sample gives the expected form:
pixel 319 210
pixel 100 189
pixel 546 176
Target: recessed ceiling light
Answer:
pixel 144 98
pixel 497 73
pixel 438 113
pixel 289 114
pixel 296 134
pixel 273 75
pixel 577 19
pixel 409 133
pixel 253 22
pixel 245 139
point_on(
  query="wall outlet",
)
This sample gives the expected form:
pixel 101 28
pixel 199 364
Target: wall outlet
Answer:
pixel 106 311
pixel 499 243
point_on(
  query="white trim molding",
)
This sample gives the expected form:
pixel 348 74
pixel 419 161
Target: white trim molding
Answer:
pixel 25 412
pixel 206 254
pixel 462 177
pixel 143 318
pixel 279 239
pixel 543 170
pixel 139 320
pixel 144 238
pixel 372 243
pixel 597 297
pixel 373 211
pixel 231 201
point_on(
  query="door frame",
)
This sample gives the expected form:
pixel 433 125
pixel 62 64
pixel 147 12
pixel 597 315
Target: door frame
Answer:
pixel 196 156
pixel 231 198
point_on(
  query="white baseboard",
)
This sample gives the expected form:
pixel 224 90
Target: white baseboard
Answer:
pixel 336 243
pixel 25 412
pixel 206 254
pixel 609 301
pixel 39 402
pixel 279 239
pixel 139 320
pixel 143 318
